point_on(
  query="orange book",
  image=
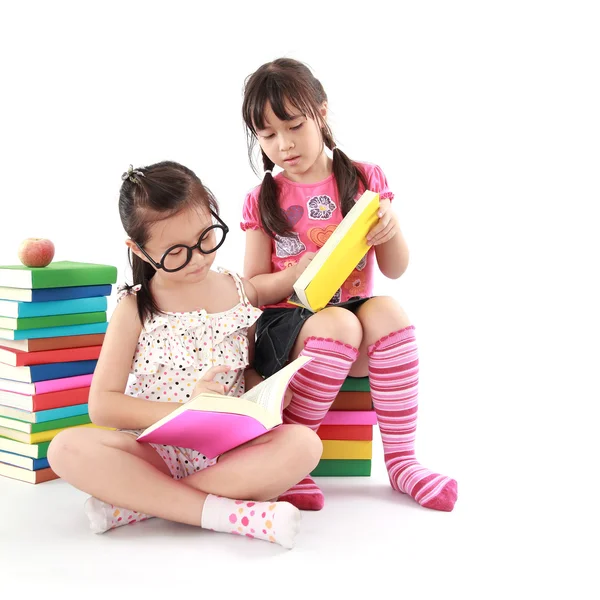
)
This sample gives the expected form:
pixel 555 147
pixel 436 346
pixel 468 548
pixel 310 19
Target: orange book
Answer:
pixel 352 401
pixel 68 341
pixel 346 432
pixel 26 475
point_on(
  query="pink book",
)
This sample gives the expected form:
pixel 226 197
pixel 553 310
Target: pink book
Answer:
pixel 213 424
pixel 44 387
pixel 350 417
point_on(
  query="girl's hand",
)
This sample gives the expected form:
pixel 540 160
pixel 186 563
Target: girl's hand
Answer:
pixel 301 265
pixel 206 383
pixel 386 228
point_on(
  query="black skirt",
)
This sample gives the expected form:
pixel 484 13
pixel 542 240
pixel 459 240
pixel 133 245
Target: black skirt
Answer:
pixel 277 330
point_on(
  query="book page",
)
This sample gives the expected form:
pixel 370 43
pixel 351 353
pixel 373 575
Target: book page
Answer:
pixel 270 392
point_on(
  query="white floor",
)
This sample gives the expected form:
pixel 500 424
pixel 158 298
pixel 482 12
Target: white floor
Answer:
pixel 517 536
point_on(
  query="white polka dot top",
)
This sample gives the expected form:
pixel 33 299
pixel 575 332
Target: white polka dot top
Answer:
pixel 174 349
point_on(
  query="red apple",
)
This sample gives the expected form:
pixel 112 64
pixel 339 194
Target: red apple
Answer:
pixel 36 252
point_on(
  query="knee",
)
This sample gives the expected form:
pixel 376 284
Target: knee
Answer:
pixel 381 315
pixel 339 324
pixel 305 445
pixel 64 448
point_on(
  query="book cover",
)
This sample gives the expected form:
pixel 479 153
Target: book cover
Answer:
pixel 24 462
pixel 27 476
pixel 57 274
pixel 352 401
pixel 356 384
pixel 54 343
pixel 347 449
pixel 40 436
pixel 48 332
pixel 43 416
pixel 338 257
pixel 38 373
pixel 49 294
pixel 30 323
pixel 43 387
pixel 47 401
pixel 350 417
pixel 213 424
pixel 44 426
pixel 345 432
pixel 19 358
pixel 342 468
pixel 36 451
pixel 24 310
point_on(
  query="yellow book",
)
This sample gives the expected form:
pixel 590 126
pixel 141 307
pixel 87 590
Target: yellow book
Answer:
pixel 42 436
pixel 338 257
pixel 343 449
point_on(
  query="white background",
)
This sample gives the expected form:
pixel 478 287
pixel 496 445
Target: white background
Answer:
pixel 484 116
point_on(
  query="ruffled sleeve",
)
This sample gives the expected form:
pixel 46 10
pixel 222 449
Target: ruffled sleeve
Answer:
pixel 250 215
pixel 378 182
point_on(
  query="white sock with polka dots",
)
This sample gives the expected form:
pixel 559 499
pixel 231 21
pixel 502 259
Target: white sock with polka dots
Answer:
pixel 104 516
pixel 276 522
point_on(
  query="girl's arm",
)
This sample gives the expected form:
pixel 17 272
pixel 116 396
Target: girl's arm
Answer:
pixel 108 405
pixel 391 249
pixel 270 287
pixel 251 377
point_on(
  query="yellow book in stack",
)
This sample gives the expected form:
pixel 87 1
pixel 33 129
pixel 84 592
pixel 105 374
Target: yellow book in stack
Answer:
pixel 338 257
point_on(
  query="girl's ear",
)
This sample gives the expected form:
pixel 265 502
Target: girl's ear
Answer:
pixel 133 247
pixel 323 110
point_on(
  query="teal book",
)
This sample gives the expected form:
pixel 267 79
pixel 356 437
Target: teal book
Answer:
pixel 57 274
pixel 50 332
pixel 16 310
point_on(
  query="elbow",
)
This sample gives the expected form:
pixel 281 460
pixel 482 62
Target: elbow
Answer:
pixel 396 270
pixel 97 410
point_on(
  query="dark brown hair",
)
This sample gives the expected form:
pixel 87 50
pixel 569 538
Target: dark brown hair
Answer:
pixel 151 194
pixel 275 83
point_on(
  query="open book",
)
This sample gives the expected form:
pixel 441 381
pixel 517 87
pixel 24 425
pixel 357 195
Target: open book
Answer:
pixel 338 257
pixel 212 424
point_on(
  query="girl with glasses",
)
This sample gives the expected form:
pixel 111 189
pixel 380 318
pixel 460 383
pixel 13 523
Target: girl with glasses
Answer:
pixel 180 330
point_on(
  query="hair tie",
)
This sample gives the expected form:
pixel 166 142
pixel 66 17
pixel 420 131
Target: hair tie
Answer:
pixel 269 172
pixel 131 175
pixel 335 148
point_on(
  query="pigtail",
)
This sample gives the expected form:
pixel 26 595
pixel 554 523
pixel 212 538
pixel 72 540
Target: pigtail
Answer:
pixel 347 175
pixel 272 216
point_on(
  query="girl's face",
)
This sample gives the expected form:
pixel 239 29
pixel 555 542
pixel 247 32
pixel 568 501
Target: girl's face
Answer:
pixel 185 229
pixel 295 145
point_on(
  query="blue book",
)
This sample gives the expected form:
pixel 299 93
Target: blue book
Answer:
pixel 10 308
pixel 47 294
pixel 25 462
pixel 34 373
pixel 49 332
pixel 41 416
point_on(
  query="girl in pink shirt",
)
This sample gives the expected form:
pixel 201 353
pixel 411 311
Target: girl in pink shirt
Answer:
pixel 287 219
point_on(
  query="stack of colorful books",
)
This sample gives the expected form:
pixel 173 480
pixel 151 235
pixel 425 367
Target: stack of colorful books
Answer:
pixel 347 432
pixel 52 324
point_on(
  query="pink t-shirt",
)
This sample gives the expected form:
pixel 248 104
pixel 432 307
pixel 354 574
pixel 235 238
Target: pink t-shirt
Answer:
pixel 314 211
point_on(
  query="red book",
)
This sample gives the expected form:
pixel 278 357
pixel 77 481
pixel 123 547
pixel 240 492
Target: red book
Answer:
pixel 37 402
pixel 19 358
pixel 54 343
pixel 346 432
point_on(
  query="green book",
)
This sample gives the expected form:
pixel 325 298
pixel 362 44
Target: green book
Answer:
pixel 39 450
pixel 356 384
pixel 46 425
pixel 57 275
pixel 342 468
pixel 20 324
